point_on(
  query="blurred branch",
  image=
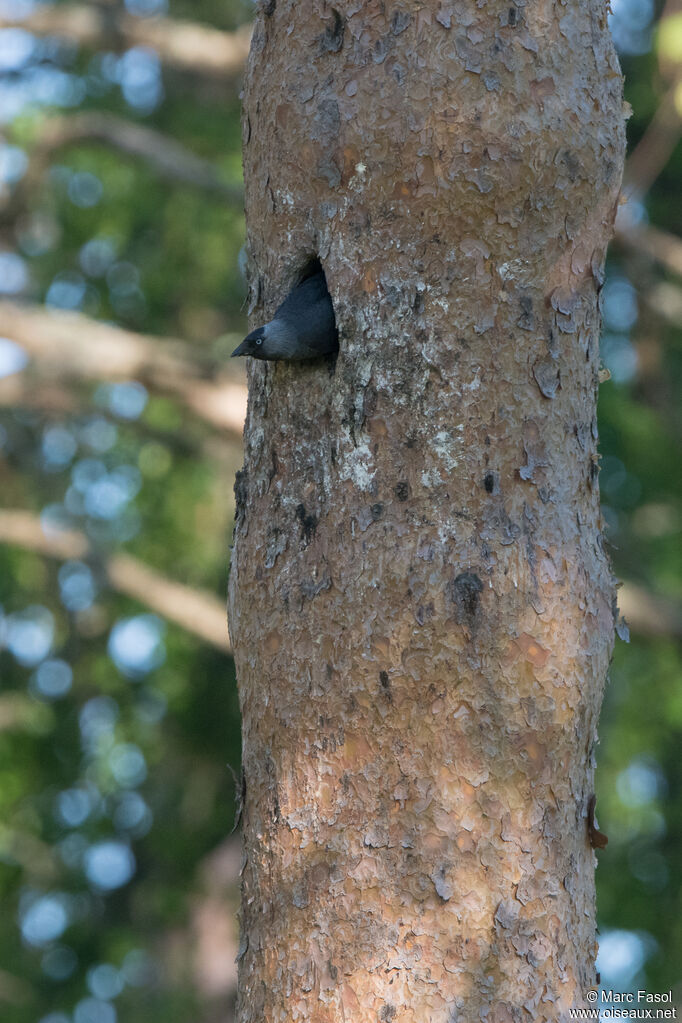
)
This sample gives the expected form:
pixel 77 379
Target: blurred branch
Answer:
pixel 67 346
pixel 164 155
pixel 58 402
pixel 51 399
pixel 24 529
pixel 648 613
pixel 14 990
pixel 660 246
pixel 655 147
pixel 196 611
pixel 665 300
pixel 213 939
pixel 184 45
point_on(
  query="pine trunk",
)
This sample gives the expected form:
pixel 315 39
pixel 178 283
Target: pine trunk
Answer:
pixel 420 603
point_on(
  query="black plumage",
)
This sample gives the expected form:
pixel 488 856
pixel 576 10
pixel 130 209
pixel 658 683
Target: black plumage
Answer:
pixel 303 327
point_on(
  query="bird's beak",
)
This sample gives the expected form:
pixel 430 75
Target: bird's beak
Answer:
pixel 239 350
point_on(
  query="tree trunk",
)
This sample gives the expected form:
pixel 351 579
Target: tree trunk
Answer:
pixel 421 606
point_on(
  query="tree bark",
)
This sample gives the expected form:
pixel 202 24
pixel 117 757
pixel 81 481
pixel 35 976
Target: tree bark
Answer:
pixel 421 607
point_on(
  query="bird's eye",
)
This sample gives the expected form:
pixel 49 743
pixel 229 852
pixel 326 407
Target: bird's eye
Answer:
pixel 259 340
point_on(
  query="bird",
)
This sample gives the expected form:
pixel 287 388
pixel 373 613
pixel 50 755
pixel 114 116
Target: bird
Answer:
pixel 303 327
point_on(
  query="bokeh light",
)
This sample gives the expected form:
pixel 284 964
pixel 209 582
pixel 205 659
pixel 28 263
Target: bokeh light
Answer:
pixel 109 865
pixel 14 276
pixel 44 919
pixel 13 358
pixel 136 645
pixel 52 679
pixel 29 634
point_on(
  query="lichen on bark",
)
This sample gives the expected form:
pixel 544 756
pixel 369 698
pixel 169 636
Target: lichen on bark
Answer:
pixel 420 604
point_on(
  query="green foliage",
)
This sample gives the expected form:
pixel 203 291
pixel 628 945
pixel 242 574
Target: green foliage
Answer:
pixel 136 756
pixel 639 782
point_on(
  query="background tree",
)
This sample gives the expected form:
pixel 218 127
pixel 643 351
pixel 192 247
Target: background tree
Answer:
pixel 119 181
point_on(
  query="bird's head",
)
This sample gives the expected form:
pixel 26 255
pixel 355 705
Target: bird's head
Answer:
pixel 275 340
pixel 253 345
